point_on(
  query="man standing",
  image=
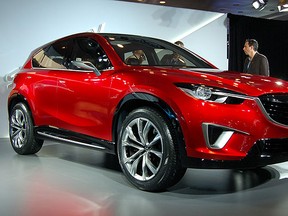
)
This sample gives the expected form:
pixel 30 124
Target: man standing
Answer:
pixel 255 63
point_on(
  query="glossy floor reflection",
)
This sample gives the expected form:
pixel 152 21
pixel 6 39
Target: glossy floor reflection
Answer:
pixel 66 181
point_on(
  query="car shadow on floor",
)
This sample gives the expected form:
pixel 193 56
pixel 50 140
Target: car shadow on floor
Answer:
pixel 195 181
pixel 81 155
pixel 223 181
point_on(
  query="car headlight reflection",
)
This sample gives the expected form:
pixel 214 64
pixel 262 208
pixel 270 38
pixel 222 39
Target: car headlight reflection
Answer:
pixel 212 94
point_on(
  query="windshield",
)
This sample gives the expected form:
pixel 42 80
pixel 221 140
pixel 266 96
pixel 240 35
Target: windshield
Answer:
pixel 137 50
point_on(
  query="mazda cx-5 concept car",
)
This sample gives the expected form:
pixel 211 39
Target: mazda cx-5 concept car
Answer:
pixel 159 107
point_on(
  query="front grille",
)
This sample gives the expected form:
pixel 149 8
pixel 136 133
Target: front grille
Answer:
pixel 276 105
pixel 270 147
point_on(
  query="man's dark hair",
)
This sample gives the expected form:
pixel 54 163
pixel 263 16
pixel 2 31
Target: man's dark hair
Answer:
pixel 253 42
pixel 179 43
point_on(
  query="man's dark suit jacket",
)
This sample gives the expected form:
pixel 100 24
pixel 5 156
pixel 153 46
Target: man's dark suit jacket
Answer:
pixel 259 65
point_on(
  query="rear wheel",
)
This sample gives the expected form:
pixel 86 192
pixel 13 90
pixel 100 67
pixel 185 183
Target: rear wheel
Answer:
pixel 21 131
pixel 147 151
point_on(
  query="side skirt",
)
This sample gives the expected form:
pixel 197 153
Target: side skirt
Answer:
pixel 68 137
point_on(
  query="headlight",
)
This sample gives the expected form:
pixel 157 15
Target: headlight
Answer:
pixel 203 93
pixel 212 94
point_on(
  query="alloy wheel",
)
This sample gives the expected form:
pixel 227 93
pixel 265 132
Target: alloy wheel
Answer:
pixel 142 149
pixel 18 128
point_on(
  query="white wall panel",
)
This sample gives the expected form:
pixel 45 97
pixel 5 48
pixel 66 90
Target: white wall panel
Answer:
pixel 210 42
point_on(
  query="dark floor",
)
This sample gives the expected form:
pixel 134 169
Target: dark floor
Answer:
pixel 63 180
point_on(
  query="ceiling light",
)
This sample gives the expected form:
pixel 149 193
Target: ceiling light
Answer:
pixel 283 5
pixel 259 4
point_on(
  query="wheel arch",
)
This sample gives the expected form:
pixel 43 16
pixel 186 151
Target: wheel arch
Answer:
pixel 22 125
pixel 136 100
pixel 16 98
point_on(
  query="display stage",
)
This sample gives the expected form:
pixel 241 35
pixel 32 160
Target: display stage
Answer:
pixel 68 180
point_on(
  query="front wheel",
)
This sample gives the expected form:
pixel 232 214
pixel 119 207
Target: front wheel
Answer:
pixel 21 131
pixel 147 150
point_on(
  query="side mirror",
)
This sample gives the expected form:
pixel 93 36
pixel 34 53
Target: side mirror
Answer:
pixel 86 65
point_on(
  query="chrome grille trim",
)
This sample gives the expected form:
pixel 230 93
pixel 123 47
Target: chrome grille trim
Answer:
pixel 275 109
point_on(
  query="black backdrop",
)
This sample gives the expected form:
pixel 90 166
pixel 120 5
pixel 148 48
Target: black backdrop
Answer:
pixel 272 36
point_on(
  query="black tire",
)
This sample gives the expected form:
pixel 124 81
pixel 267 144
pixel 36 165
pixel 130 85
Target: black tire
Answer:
pixel 147 152
pixel 21 131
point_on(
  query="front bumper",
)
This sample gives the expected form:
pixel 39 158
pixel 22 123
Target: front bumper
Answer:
pixel 264 152
pixel 243 135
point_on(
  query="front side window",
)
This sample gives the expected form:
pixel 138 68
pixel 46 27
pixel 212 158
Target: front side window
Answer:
pixel 52 56
pixel 136 50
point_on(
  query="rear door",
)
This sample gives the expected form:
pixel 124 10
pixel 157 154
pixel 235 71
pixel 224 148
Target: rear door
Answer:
pixel 47 63
pixel 82 95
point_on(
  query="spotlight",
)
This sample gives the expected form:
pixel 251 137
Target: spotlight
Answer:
pixel 283 5
pixel 259 4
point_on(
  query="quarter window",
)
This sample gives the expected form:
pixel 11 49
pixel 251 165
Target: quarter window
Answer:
pixel 52 56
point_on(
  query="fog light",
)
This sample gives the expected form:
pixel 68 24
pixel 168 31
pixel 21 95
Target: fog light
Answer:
pixel 216 136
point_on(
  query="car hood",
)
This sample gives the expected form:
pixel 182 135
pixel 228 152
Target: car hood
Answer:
pixel 248 84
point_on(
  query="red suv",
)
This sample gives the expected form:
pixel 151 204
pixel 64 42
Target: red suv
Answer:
pixel 159 107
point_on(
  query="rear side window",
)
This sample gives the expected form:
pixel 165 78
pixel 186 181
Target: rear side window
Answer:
pixel 52 56
pixel 87 51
